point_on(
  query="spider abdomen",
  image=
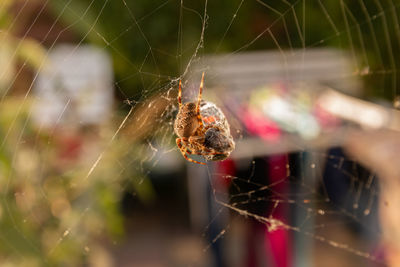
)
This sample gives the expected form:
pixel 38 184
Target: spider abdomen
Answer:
pixel 218 136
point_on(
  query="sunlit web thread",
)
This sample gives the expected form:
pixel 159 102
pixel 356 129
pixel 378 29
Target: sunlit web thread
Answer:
pixel 18 113
pixel 42 64
pixel 120 127
pixel 142 73
pixel 274 224
pixel 285 200
pixel 109 143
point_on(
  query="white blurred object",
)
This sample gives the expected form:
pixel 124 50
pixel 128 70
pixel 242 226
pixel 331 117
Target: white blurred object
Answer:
pixel 75 88
pixel 367 114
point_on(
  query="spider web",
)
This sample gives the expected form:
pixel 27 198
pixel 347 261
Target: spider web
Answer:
pixel 50 210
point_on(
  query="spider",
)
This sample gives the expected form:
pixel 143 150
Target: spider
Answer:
pixel 208 136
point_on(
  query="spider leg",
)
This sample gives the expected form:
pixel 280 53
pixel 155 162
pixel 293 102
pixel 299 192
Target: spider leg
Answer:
pixel 180 94
pixel 200 120
pixel 179 143
pixel 207 153
pixel 200 92
pixel 192 160
pixel 184 151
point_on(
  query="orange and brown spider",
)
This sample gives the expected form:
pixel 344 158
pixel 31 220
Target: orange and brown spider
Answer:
pixel 202 129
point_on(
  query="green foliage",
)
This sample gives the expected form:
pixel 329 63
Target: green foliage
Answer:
pixel 52 212
pixel 14 50
pixel 152 41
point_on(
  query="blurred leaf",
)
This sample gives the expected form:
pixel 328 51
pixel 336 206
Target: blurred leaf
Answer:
pixel 108 205
pixel 7 72
pixel 31 52
pixel 5 5
pixel 144 189
pixel 80 16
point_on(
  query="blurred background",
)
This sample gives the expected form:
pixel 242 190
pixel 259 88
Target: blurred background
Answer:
pixel 90 174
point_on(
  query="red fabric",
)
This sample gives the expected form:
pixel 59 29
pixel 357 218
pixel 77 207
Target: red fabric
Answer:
pixel 257 124
pixel 278 241
pixel 225 172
